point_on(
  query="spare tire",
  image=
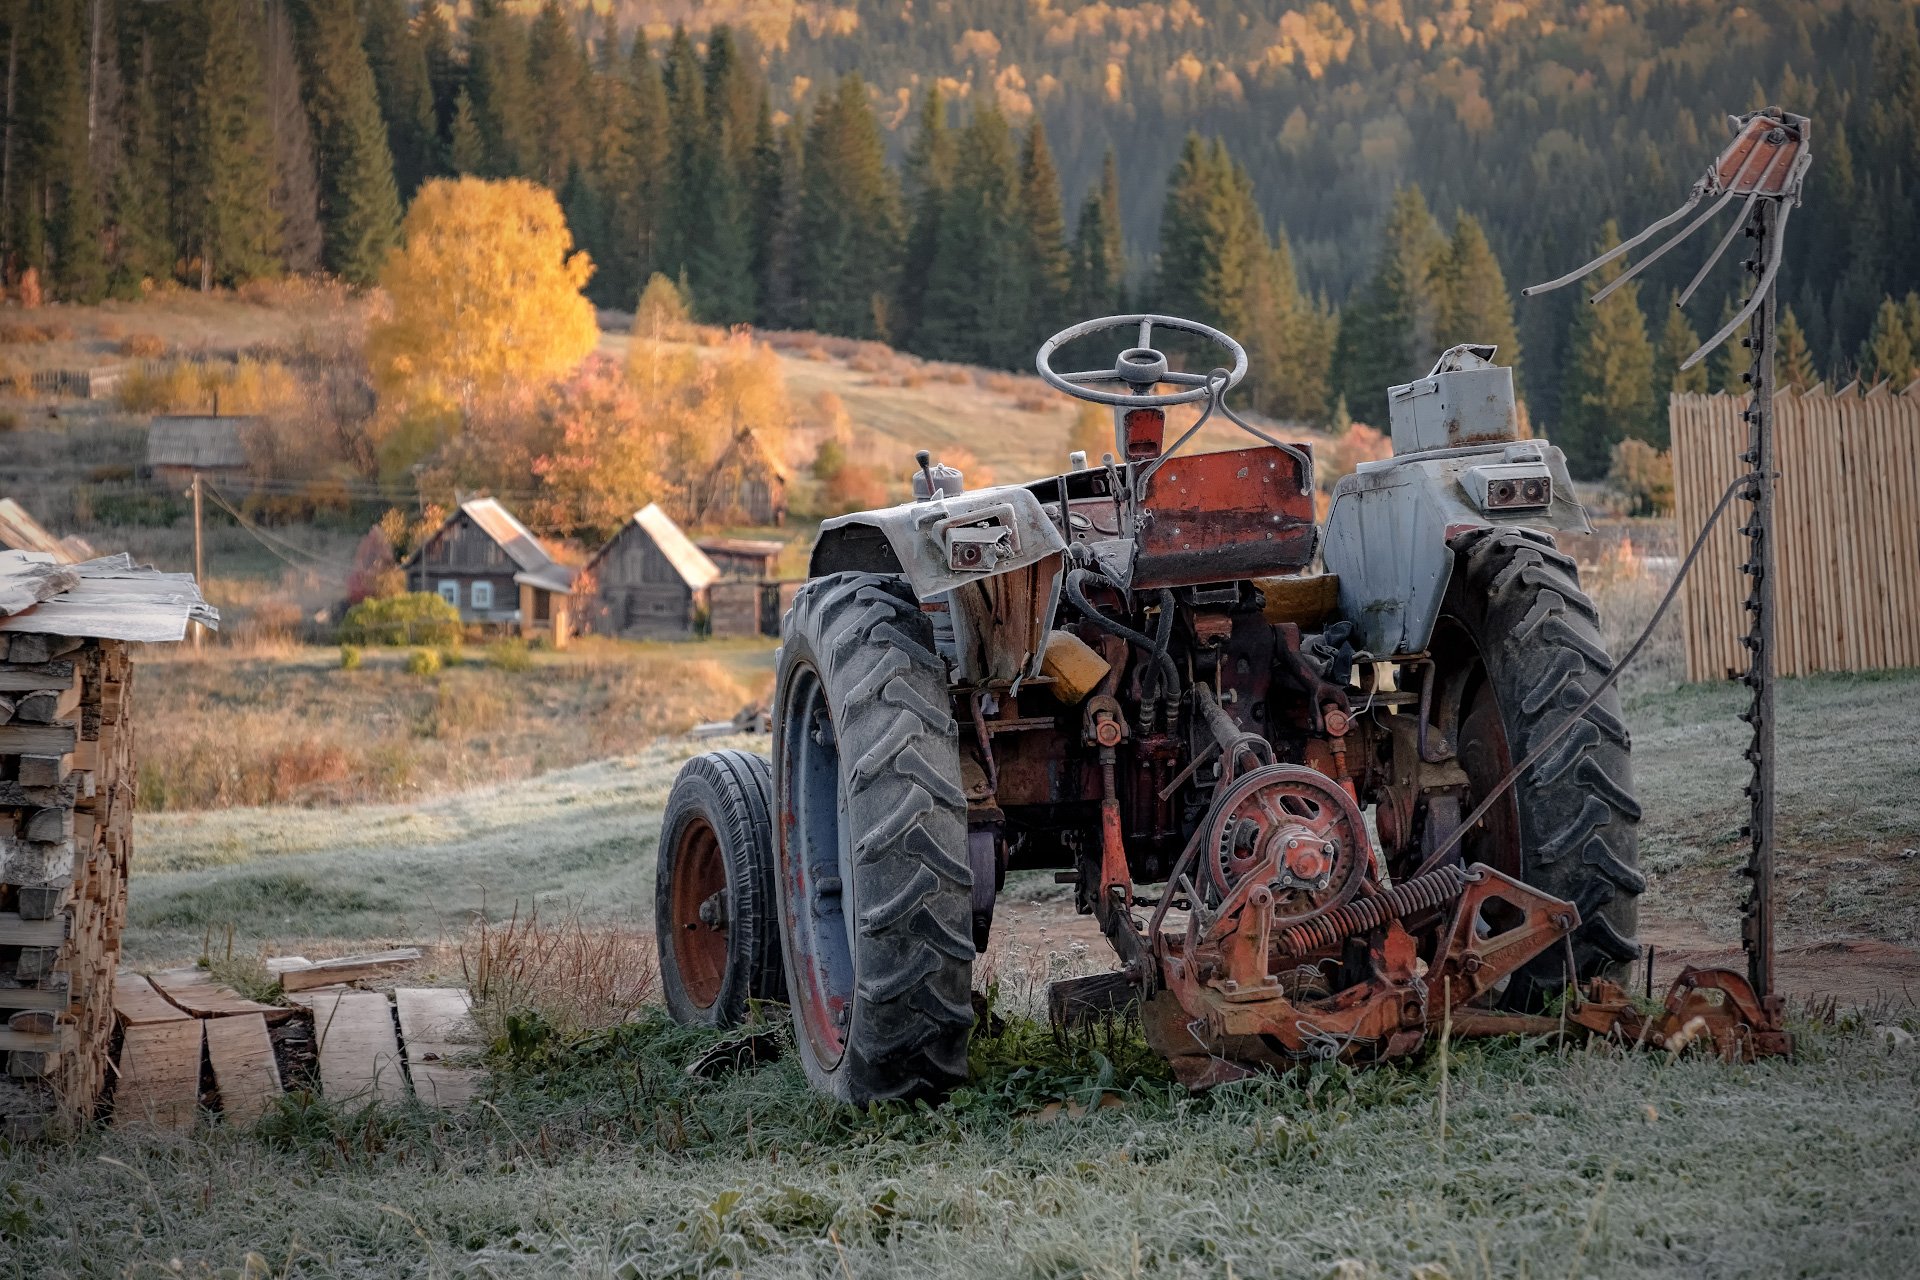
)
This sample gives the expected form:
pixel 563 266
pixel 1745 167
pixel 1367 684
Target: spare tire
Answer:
pixel 713 894
pixel 871 844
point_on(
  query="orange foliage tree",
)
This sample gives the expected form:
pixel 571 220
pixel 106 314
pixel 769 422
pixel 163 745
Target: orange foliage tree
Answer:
pixel 485 293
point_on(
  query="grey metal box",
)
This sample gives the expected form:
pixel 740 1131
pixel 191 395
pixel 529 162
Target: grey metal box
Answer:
pixel 1466 400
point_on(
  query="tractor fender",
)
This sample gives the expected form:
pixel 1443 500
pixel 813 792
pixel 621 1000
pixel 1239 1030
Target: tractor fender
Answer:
pixel 1391 523
pixel 942 544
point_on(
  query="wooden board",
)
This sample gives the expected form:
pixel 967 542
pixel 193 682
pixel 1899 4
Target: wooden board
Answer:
pixel 159 1076
pixel 139 1005
pixel 37 739
pixel 359 1053
pixel 195 991
pixel 16 932
pixel 436 1024
pixel 243 1066
pixel 347 969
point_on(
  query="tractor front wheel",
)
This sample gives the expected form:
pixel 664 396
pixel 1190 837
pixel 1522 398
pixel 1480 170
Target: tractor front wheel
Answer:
pixel 1517 648
pixel 871 840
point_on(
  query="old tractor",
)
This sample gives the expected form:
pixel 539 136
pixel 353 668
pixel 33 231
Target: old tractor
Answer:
pixel 1158 676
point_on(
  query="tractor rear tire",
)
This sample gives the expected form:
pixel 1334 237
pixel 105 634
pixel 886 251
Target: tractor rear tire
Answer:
pixel 713 891
pixel 1518 648
pixel 871 844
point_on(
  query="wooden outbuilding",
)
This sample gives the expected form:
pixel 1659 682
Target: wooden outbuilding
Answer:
pixel 649 581
pixel 178 445
pixel 491 568
pixel 754 558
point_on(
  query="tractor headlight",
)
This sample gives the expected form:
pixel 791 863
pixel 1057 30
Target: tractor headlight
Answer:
pixel 1508 486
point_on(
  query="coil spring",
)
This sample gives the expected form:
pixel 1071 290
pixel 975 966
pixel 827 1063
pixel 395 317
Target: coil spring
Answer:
pixel 1419 894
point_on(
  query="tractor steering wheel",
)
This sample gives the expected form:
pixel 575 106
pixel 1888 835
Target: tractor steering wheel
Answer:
pixel 1139 368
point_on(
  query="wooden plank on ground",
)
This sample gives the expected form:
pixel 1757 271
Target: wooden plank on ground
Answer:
pixel 436 1024
pixel 195 991
pixel 347 969
pixel 159 1075
pixel 359 1054
pixel 243 1066
pixel 139 1005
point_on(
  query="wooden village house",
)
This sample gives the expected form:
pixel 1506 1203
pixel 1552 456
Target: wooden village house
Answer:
pixel 745 485
pixel 179 445
pixel 649 581
pixel 489 566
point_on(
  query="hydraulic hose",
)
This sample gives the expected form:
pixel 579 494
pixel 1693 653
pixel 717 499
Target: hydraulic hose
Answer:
pixel 1155 646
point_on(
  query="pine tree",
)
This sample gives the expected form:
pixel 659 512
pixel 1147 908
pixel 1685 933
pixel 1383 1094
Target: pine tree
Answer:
pixel 1044 259
pixel 767 204
pixel 928 182
pixel 1888 354
pixel 1098 286
pixel 1474 305
pixel 1609 391
pixel 734 98
pixel 708 228
pixel 609 185
pixel 404 80
pixel 1677 342
pixel 781 306
pixel 467 152
pixel 973 281
pixel 296 187
pixel 849 219
pixel 497 85
pixel 1387 331
pixel 360 208
pixel 1794 358
pixel 558 127
pixel 231 223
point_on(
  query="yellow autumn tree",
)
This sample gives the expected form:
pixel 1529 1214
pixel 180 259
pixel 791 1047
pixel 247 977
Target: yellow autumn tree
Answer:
pixel 485 294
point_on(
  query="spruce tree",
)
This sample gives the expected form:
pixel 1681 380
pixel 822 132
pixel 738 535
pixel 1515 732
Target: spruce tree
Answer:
pixel 137 207
pixel 1794 367
pixel 1888 354
pixel 230 220
pixel 1098 286
pixel 1044 259
pixel 849 219
pixel 467 149
pixel 650 144
pixel 360 207
pixel 296 186
pixel 974 280
pixel 928 182
pixel 1387 332
pixel 1609 385
pixel 767 204
pixel 1730 361
pixel 1474 305
pixel 404 81
pixel 611 180
pixel 496 83
pixel 433 30
pixel 558 127
pixel 56 115
pixel 1677 342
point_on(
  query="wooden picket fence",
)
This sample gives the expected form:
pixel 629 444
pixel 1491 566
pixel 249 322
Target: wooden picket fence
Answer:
pixel 1847 517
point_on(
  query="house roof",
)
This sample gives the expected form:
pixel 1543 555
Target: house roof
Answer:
pixel 536 565
pixel 111 598
pixel 205 444
pixel 19 531
pixel 689 561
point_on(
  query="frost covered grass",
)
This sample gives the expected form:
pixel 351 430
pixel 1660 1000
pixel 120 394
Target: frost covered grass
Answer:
pixel 603 1158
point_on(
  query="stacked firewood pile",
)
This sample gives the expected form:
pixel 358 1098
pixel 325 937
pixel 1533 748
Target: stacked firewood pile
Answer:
pixel 66 813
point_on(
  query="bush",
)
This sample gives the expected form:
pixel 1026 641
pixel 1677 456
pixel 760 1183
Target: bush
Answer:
pixel 423 662
pixel 143 346
pixel 419 617
pixel 349 657
pixel 510 655
pixel 1643 476
pixel 448 655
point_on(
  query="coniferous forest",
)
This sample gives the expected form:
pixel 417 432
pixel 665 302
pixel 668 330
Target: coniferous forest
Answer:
pixel 1347 187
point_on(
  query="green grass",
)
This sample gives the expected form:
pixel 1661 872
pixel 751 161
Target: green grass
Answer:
pixel 608 1161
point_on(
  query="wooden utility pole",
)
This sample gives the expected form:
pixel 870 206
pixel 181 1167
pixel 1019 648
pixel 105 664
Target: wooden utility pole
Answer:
pixel 199 553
